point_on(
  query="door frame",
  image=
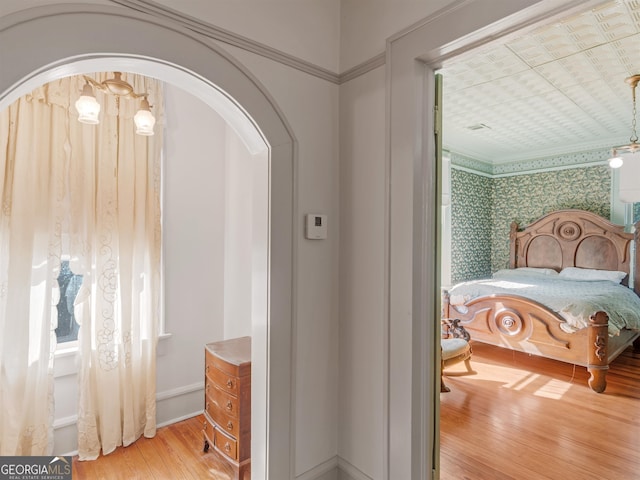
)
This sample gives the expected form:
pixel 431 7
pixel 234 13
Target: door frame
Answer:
pixel 412 57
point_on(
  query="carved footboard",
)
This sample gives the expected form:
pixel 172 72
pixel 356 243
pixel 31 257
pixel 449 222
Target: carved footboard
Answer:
pixel 521 324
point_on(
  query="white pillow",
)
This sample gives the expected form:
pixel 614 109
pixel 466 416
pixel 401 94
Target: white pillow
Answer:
pixel 524 271
pixel 590 274
pixel 541 271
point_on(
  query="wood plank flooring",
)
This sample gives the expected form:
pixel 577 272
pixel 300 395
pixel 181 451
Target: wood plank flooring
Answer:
pixel 523 417
pixel 175 453
pixel 519 418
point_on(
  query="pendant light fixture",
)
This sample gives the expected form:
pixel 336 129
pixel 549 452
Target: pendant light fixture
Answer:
pixel 89 108
pixel 632 150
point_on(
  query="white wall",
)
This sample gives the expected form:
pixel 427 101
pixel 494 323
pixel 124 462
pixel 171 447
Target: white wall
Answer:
pixel 365 26
pixel 208 243
pixel 307 29
pixel 11 6
pixel 242 196
pixel 311 107
pixel 362 273
pixel 193 241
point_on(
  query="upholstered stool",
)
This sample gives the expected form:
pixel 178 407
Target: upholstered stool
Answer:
pixel 455 350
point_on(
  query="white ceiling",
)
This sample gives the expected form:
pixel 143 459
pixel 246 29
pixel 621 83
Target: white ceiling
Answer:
pixel 558 89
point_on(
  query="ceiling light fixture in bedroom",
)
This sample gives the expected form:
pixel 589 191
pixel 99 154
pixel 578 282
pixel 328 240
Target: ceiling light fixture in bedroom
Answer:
pixel 633 148
pixel 89 108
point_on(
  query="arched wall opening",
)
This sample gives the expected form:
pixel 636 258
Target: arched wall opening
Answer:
pixel 150 47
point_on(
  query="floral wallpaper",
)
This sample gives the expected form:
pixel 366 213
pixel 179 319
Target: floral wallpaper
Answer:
pixel 471 225
pixel 524 198
pixel 482 209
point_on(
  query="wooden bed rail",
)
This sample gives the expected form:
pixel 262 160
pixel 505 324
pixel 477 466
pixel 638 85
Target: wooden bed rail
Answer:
pixel 524 325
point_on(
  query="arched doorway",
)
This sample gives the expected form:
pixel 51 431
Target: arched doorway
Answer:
pixel 151 47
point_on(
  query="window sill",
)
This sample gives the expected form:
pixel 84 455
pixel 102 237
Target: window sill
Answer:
pixel 65 356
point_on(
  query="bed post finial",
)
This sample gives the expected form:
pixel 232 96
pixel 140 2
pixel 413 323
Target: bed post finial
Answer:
pixel 513 247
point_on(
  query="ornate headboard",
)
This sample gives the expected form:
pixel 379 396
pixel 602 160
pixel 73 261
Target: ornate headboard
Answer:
pixel 574 238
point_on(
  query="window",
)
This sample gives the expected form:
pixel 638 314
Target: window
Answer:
pixel 69 283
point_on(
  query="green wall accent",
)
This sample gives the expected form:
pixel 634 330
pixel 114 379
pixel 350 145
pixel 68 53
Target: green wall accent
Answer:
pixel 525 198
pixel 482 209
pixel 471 225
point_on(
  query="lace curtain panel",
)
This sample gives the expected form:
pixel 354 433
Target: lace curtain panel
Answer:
pixel 31 193
pixel 93 193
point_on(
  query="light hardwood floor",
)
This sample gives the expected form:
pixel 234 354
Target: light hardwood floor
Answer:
pixel 523 417
pixel 519 418
pixel 175 453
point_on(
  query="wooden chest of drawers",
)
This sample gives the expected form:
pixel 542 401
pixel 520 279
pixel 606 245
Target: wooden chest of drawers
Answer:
pixel 227 404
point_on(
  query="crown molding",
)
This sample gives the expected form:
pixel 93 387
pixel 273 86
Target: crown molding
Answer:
pixel 364 67
pixel 470 164
pixel 582 159
pixel 561 161
pixel 230 38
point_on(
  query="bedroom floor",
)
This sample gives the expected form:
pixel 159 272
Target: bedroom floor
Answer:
pixel 523 417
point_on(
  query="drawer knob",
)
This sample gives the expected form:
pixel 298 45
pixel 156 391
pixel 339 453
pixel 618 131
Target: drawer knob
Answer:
pixel 229 405
pixel 207 407
pixel 230 383
pixel 207 388
pixel 207 369
pixel 227 447
pixel 229 425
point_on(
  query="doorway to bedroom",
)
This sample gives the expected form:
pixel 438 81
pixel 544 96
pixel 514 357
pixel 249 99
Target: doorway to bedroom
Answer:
pixel 528 127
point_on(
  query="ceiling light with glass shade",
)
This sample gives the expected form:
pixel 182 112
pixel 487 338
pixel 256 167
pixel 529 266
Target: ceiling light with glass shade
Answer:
pixel 632 150
pixel 88 107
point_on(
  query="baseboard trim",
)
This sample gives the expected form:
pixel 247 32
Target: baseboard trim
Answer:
pixel 319 470
pixel 172 403
pixel 177 392
pixel 343 469
pixel 179 419
pixel 64 422
pixel 351 472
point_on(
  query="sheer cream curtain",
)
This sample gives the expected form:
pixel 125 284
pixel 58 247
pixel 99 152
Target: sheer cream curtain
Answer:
pixel 115 244
pixel 105 193
pixel 32 188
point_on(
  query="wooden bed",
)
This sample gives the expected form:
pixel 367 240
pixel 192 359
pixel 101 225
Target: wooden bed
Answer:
pixel 560 239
